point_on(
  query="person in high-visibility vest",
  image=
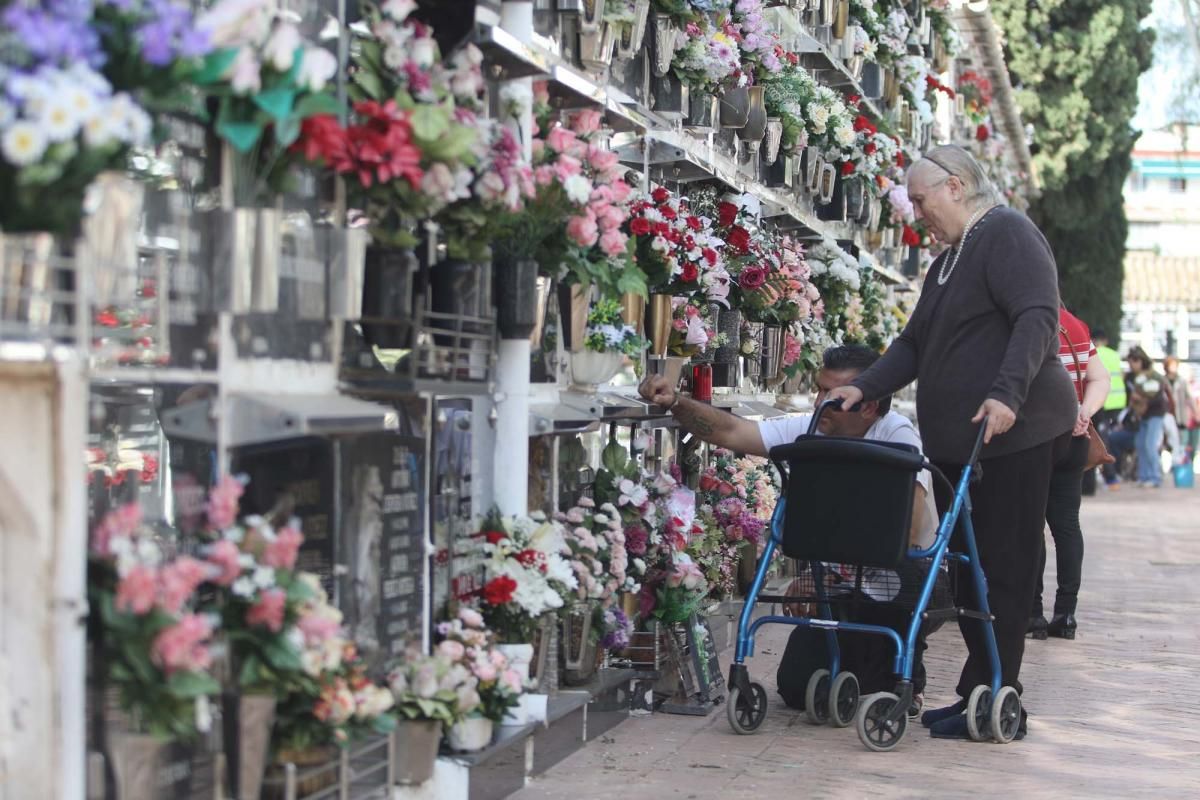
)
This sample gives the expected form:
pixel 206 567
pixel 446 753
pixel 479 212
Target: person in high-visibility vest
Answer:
pixel 1107 418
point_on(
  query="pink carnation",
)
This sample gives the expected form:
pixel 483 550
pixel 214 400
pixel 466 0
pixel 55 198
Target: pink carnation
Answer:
pixel 560 140
pixel 225 557
pixel 137 590
pixel 317 628
pixel 621 191
pixel 183 646
pixel 268 611
pixel 582 230
pixel 178 581
pixel 613 243
pixel 610 218
pixel 601 160
pixel 117 524
pixel 586 122
pixel 223 502
pixel 281 553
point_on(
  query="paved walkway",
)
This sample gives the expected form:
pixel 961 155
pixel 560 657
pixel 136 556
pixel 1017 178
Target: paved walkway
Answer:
pixel 1116 713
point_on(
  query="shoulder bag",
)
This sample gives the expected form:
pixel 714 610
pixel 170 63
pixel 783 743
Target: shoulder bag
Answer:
pixel 1097 453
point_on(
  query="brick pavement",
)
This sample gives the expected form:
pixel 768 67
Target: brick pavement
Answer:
pixel 1116 713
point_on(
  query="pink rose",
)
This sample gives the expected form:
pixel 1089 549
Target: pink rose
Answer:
pixel 582 230
pixel 137 590
pixel 223 502
pixel 586 122
pixel 601 160
pixel 602 196
pixel 178 581
pixel 317 628
pixel 610 218
pixel 544 175
pixel 566 166
pixel 225 557
pixel 268 611
pixel 470 617
pixel 183 646
pixel 621 191
pixel 485 672
pixel 613 242
pixel 538 147
pixel 512 679
pixel 452 650
pixel 560 140
pixel 281 553
pixel 117 524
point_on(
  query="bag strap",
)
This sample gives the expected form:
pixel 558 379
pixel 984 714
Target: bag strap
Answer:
pixel 1079 377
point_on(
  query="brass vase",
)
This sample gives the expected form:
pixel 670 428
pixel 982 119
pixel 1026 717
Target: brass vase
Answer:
pixel 658 323
pixel 841 19
pixel 633 311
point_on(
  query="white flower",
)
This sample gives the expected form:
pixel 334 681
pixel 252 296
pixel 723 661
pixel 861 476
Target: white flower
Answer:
pixel 818 117
pixel 243 587
pixel 244 73
pixel 264 577
pixel 23 144
pixel 399 10
pixel 235 22
pixel 424 52
pixel 578 189
pixel 58 119
pixel 393 57
pixel 280 50
pixel 317 66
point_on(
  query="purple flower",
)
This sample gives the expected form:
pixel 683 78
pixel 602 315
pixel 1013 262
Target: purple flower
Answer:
pixel 636 540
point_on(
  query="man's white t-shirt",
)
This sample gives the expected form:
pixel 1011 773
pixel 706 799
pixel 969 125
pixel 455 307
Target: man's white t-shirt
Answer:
pixel 891 427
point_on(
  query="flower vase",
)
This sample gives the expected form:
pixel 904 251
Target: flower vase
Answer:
pixel 578 645
pixel 827 12
pixel 315 770
pixel 774 138
pixel 665 34
pixel 35 268
pixel 772 354
pixel 515 291
pixel 470 734
pixel 735 107
pixel 747 566
pixel 633 311
pixel 670 367
pixel 702 112
pixel 630 37
pixel 756 119
pixel 596 47
pixel 669 97
pixel 590 368
pixel 659 313
pixel 855 65
pixel 135 758
pixel 841 18
pixel 813 168
pixel 855 197
pixel 729 322
pixel 415 749
pixel 573 304
pixel 591 15
pixel 872 80
pixel 387 296
pixel 248 727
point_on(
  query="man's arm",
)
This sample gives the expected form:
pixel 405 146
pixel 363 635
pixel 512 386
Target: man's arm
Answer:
pixel 711 424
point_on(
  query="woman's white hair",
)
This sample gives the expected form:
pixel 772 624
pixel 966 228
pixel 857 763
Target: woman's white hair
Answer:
pixel 951 159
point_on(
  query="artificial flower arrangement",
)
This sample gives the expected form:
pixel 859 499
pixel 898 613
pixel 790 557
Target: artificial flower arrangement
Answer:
pixel 756 41
pixel 268 80
pixel 572 226
pixel 709 57
pixel 840 278
pixel 156 647
pixel 527 571
pixel 121 465
pixel 607 332
pixel 678 248
pixel 873 154
pixel 786 96
pixel 682 12
pixel 976 91
pixel 484 683
pixel 693 328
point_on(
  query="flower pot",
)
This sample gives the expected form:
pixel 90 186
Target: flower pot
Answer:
pixel 665 33
pixel 756 119
pixel 669 97
pixel 855 196
pixel 872 80
pixel 515 292
pixel 772 353
pixel 249 721
pixel 415 749
pixel 702 111
pixel 658 323
pixel 471 734
pixel 589 368
pixel 387 296
pixel 135 758
pixel 316 769
pixel 735 107
pixel 630 37
pixel 578 650
pixel 774 138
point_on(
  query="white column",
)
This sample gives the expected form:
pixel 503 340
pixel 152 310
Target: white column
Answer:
pixel 510 464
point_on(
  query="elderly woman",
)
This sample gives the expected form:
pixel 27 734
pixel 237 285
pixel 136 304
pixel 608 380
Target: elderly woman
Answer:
pixel 982 344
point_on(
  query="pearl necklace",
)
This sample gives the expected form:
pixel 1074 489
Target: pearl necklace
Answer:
pixel 943 273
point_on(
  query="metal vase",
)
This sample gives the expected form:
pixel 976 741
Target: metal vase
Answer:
pixel 735 107
pixel 135 758
pixel 841 18
pixel 772 354
pixel 774 138
pixel 387 296
pixel 751 343
pixel 578 646
pixel 828 12
pixel 591 16
pixel 658 323
pixel 415 750
pixel 573 304
pixel 596 48
pixel 756 119
pixel 702 112
pixel 630 37
pixel 872 80
pixel 255 720
pixel 633 311
pixel 669 97
pixel 665 33
pixel 515 289
pixel 729 322
pixel 813 167
pixel 829 183
pixel 855 197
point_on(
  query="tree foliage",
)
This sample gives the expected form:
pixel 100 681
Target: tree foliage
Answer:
pixel 1075 66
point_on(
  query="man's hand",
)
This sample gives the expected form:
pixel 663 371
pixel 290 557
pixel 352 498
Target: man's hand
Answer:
pixel 999 418
pixel 658 390
pixel 849 395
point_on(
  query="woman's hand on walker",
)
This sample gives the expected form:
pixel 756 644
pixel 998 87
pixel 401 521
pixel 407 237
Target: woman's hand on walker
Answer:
pixel 999 418
pixel 849 395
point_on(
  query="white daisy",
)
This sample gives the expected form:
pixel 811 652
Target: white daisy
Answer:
pixel 58 119
pixel 23 144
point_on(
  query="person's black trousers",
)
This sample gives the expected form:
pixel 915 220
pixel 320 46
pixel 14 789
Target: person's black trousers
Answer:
pixel 1009 517
pixel 1062 514
pixel 1106 422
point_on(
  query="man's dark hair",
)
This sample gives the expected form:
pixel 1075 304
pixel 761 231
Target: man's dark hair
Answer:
pixel 855 357
pixel 1099 333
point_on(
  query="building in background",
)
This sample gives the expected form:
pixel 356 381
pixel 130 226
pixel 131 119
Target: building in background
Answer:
pixel 1162 265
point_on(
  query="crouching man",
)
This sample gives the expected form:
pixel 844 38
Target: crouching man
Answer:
pixel 868 657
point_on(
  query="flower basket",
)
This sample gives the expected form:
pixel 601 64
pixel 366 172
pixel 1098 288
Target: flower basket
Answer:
pixel 316 769
pixel 589 368
pixel 415 749
pixel 470 735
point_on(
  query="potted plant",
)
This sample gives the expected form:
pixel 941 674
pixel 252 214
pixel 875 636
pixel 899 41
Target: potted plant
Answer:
pixel 153 647
pixel 497 688
pixel 431 692
pixel 606 344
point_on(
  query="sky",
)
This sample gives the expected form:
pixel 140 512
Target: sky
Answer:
pixel 1155 89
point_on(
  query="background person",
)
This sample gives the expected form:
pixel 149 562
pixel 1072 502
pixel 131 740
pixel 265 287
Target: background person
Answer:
pixel 1107 419
pixel 1185 411
pixel 982 344
pixel 1091 380
pixel 1147 399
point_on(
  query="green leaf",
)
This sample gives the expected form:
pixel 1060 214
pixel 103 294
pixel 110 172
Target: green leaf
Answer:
pixel 429 122
pixel 632 280
pixel 251 671
pixel 287 131
pixel 276 102
pixel 215 65
pixel 280 655
pixel 370 83
pixel 315 103
pixel 192 684
pixel 614 457
pixel 242 135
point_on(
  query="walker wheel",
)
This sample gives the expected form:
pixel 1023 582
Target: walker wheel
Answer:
pixel 746 714
pixel 1005 718
pixel 843 700
pixel 874 728
pixel 816 698
pixel 979 714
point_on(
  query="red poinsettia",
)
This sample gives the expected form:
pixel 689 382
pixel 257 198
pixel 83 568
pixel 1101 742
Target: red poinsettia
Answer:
pixel 499 591
pixel 910 237
pixel 494 537
pixel 379 149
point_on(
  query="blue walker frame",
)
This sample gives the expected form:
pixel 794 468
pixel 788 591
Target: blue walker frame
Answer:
pixel 906 648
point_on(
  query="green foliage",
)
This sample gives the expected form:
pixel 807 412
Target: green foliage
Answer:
pixel 1075 66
